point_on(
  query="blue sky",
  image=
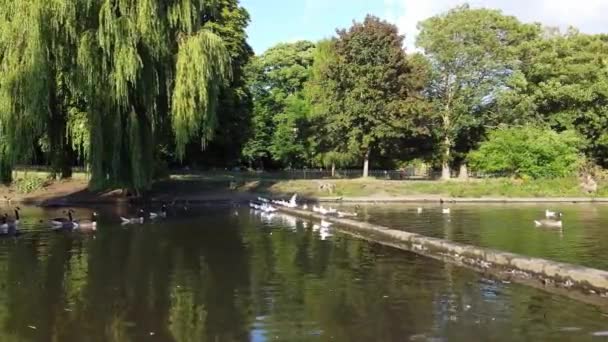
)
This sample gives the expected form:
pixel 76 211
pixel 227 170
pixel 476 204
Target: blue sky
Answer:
pixel 274 21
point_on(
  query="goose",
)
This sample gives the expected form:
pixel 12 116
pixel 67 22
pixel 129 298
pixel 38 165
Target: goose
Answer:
pixel 292 202
pixel 161 214
pixel 446 211
pixel 17 218
pixel 305 207
pixel 139 219
pixel 419 210
pixel 59 220
pixel 62 222
pixel 550 214
pixel 87 224
pixel 6 227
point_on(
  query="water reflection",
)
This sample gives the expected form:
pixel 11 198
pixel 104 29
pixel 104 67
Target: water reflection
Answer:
pixel 210 275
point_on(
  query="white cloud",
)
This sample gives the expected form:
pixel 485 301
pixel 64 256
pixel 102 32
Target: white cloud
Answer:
pixel 587 15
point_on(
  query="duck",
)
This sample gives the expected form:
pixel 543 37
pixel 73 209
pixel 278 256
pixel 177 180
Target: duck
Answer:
pixel 161 214
pixel 551 214
pixel 446 211
pixel 88 224
pixel 139 219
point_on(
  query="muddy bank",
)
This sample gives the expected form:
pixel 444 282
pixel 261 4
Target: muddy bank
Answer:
pixel 582 283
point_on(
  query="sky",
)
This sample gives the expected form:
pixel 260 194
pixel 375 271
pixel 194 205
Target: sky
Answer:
pixel 275 21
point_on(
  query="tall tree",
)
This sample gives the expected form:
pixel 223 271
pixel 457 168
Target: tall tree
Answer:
pixel 277 79
pixel 562 82
pixel 374 99
pixel 472 52
pixel 133 66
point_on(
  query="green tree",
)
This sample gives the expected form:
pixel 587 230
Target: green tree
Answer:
pixel 276 80
pixel 373 99
pixel 472 52
pixel 563 81
pixel 134 67
pixel 528 151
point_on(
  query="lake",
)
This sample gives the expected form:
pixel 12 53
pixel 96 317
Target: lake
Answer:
pixel 225 273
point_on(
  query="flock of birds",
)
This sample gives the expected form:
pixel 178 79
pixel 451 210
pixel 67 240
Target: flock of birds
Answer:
pixel 9 226
pixel 552 219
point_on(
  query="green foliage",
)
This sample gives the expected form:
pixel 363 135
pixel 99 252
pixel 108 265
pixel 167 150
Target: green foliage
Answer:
pixel 470 52
pixel 371 98
pixel 528 152
pixel 29 183
pixel 276 80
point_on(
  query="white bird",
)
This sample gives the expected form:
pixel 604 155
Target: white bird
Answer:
pixel 264 200
pixel 324 234
pixel 346 214
pixel 550 214
pixel 292 201
pixel 549 223
pixel 446 211
pixel 325 224
pixel 419 210
pixel 139 219
pixel 305 207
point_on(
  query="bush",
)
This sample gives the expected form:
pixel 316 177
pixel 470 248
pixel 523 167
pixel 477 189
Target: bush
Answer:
pixel 529 152
pixel 29 183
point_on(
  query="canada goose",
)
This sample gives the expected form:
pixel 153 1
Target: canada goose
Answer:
pixel 139 219
pixel 556 223
pixel 63 223
pixel 6 227
pixel 59 220
pixel 17 218
pixel 90 224
pixel 551 214
pixel 446 211
pixel 161 214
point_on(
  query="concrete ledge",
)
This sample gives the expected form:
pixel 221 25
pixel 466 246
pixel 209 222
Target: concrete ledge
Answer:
pixel 567 278
pixel 437 198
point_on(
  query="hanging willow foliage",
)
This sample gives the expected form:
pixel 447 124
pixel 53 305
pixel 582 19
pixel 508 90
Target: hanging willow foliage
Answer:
pixel 102 77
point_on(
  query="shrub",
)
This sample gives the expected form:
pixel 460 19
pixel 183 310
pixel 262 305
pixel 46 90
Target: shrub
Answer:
pixel 29 183
pixel 529 152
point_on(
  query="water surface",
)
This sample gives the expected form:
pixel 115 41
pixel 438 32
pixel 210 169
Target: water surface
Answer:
pixel 508 227
pixel 227 274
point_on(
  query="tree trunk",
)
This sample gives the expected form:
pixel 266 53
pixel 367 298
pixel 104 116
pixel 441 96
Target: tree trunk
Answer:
pixel 366 165
pixel 446 172
pixel 464 172
pixel 333 170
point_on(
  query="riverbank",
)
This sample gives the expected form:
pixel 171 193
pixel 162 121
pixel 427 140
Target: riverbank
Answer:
pixel 227 187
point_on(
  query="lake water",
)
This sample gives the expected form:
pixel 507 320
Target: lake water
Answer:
pixel 227 274
pixel 508 227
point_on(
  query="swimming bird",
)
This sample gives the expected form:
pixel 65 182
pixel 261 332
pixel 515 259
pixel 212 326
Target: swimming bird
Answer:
pixel 551 214
pixel 17 218
pixel 325 224
pixel 139 219
pixel 161 214
pixel 446 211
pixel 550 223
pixel 6 227
pixel 87 224
pixel 305 207
pixel 62 222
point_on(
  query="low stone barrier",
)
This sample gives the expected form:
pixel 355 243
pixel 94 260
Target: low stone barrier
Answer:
pixel 528 270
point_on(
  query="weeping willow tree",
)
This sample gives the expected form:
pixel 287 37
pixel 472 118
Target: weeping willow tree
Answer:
pixel 106 79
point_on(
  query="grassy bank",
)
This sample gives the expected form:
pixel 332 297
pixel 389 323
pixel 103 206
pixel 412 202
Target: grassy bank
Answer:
pixel 230 186
pixel 500 187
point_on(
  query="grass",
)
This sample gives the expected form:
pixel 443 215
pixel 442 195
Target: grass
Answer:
pixel 497 187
